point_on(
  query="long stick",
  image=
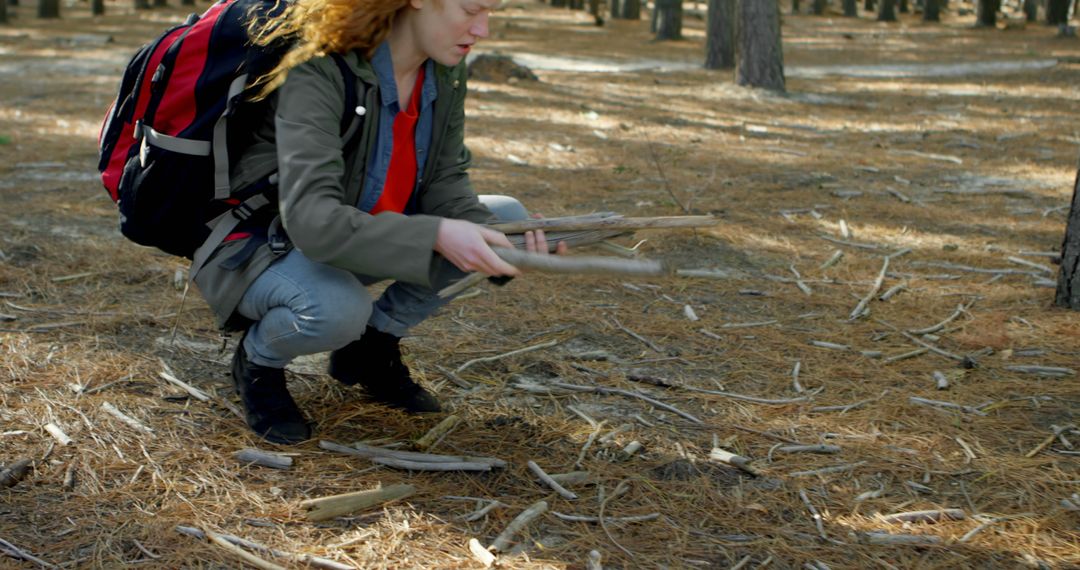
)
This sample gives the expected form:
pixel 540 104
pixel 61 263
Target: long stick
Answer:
pixel 608 223
pixel 593 264
pixel 628 393
pixel 502 542
pixel 858 311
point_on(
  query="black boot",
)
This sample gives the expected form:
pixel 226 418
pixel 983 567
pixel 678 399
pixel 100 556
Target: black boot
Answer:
pixel 374 362
pixel 270 409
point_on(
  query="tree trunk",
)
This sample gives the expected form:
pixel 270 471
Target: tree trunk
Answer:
pixel 668 16
pixel 187 2
pixel 818 7
pixel 97 7
pixel 577 5
pixel 594 11
pixel 720 35
pixel 986 13
pixel 886 13
pixel 48 9
pixel 3 11
pixel 1057 12
pixel 851 8
pixel 868 5
pixel 615 9
pixel 1031 10
pixel 558 3
pixel 142 4
pixel 1068 287
pixel 903 7
pixel 12 2
pixel 931 11
pixel 794 6
pixel 760 59
pixel 161 3
pixel 631 9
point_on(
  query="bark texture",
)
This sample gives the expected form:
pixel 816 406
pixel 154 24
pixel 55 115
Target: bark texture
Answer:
pixel 1068 287
pixel 986 13
pixel 760 62
pixel 97 7
pixel 48 8
pixel 668 17
pixel 931 11
pixel 720 35
pixel 1057 12
pixel 851 8
pixel 887 11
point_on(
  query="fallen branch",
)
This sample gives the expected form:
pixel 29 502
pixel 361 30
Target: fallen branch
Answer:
pixel 808 449
pixel 195 392
pixel 1053 371
pixel 547 480
pixel 313 561
pixel 437 433
pixel 57 433
pixel 111 410
pixel 862 305
pixel 482 512
pixel 828 470
pixel 756 400
pixel 481 554
pixel 604 223
pixel 502 542
pixel 329 507
pixel 640 338
pixel 371 452
pixel 588 519
pixel 934 515
pixel 935 328
pixel 542 345
pixel 16 552
pixel 948 405
pixel 889 539
pixel 629 394
pixel 729 458
pixel 814 513
pixel 251 456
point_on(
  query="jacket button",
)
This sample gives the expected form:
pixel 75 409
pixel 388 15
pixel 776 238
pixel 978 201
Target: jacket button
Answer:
pixel 456 83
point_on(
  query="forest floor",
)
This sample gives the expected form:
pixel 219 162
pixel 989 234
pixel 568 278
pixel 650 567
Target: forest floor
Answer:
pixel 957 145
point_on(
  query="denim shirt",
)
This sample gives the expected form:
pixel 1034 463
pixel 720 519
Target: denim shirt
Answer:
pixel 375 179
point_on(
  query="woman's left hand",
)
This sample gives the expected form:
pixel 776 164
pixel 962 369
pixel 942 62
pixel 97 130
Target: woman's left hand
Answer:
pixel 536 242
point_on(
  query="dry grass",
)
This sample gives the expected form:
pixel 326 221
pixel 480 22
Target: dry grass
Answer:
pixel 89 309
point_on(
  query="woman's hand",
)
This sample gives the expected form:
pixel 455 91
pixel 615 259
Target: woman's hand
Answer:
pixel 536 241
pixel 468 247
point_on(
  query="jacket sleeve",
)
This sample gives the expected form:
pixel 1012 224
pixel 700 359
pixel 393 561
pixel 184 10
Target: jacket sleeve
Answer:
pixel 311 195
pixel 450 193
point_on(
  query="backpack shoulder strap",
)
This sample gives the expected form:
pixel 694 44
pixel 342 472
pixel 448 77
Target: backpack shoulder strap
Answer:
pixel 351 97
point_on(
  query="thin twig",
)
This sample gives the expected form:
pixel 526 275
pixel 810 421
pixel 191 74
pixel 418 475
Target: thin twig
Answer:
pixel 862 305
pixel 547 480
pixel 640 338
pixel 542 345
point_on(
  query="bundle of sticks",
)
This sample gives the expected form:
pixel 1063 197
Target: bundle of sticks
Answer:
pixel 578 231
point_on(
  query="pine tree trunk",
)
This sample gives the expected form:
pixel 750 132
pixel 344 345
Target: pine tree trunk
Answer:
pixel 577 4
pixel 97 7
pixel 720 35
pixel 48 9
pixel 868 5
pixel 851 8
pixel 142 4
pixel 668 16
pixel 558 3
pixel 615 9
pixel 1068 287
pixel 187 2
pixel 631 9
pixel 903 7
pixel 818 7
pixel 794 6
pixel 3 11
pixel 886 13
pixel 1057 12
pixel 931 11
pixel 1031 10
pixel 594 11
pixel 986 13
pixel 760 59
pixel 160 3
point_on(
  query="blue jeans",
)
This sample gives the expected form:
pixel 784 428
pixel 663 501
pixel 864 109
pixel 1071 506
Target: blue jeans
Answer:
pixel 303 307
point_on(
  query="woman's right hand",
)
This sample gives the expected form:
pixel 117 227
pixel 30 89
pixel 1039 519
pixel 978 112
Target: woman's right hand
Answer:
pixel 468 247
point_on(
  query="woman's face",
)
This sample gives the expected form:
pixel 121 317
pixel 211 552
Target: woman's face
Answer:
pixel 445 30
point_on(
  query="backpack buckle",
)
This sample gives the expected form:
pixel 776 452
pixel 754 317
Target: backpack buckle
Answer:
pixel 276 238
pixel 243 212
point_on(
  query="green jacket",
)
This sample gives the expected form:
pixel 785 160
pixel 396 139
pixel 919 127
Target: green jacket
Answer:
pixel 318 187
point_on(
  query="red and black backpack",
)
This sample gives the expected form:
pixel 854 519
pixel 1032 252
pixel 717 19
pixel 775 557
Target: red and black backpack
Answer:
pixel 181 118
